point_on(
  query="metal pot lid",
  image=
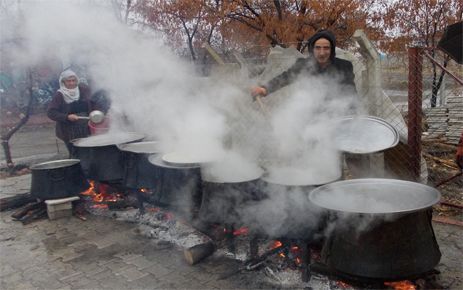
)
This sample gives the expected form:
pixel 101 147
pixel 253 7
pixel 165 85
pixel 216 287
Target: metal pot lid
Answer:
pixel 156 159
pixel 183 159
pixel 290 176
pixel 365 134
pixel 55 164
pixel 108 139
pixel 375 196
pixel 148 147
pixel 222 173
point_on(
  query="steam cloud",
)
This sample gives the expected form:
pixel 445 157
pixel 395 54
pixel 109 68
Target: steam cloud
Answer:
pixel 155 93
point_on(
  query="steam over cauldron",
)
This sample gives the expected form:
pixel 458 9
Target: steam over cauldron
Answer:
pixel 294 216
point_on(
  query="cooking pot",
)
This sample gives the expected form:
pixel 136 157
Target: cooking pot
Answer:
pixel 138 171
pixel 100 158
pixel 57 179
pixel 381 228
pixel 177 186
pixel 226 192
pixel 284 210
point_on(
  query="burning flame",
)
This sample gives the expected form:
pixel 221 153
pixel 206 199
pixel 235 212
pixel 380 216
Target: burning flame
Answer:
pixel 401 285
pixel 90 190
pixel 101 194
pixel 145 190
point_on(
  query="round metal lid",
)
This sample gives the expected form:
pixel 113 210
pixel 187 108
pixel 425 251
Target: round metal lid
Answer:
pixel 148 147
pixel 365 134
pixel 183 159
pixel 108 139
pixel 156 159
pixel 221 173
pixel 55 164
pixel 290 176
pixel 374 196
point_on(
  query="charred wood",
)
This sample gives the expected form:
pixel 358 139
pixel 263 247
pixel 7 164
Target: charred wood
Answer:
pixel 16 201
pixel 34 214
pixel 18 214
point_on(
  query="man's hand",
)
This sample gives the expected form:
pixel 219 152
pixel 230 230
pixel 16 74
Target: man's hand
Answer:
pixel 258 91
pixel 73 117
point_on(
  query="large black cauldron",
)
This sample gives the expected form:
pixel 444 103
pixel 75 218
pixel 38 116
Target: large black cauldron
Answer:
pixel 57 179
pixel 100 158
pixel 138 171
pixel 381 228
pixel 225 196
pixel 177 186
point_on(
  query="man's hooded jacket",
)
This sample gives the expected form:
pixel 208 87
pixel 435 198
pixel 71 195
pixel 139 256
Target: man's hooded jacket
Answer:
pixel 338 70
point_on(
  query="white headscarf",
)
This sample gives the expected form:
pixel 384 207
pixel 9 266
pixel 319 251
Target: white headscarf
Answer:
pixel 70 95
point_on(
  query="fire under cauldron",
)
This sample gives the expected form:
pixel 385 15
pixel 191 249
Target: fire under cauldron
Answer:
pixel 100 158
pixel 381 227
pixel 177 185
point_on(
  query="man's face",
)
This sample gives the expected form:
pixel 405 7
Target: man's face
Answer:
pixel 322 51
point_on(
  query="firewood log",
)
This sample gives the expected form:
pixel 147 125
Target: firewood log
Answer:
pixel 16 201
pixel 18 214
pixel 198 252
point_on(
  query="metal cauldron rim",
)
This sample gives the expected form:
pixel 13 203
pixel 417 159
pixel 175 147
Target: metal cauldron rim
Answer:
pixel 58 164
pixel 377 182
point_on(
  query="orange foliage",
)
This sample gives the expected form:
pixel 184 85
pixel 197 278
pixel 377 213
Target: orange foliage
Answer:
pixel 240 24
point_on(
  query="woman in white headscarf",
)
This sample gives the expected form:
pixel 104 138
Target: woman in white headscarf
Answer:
pixel 71 101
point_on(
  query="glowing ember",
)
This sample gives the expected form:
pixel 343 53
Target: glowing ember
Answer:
pixel 276 244
pixel 401 285
pixel 294 249
pixel 102 206
pixel 241 231
pixel 343 284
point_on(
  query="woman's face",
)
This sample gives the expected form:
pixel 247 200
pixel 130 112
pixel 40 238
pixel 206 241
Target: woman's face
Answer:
pixel 70 83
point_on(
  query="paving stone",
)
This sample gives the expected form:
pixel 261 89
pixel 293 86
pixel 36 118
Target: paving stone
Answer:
pixel 158 270
pixel 141 262
pixel 132 274
pixel 71 276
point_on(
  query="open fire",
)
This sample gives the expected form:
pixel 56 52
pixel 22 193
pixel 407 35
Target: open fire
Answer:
pixel 290 262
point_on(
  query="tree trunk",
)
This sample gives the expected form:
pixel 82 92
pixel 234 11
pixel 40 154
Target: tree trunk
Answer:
pixel 23 120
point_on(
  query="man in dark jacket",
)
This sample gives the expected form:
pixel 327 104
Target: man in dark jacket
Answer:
pixel 322 62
